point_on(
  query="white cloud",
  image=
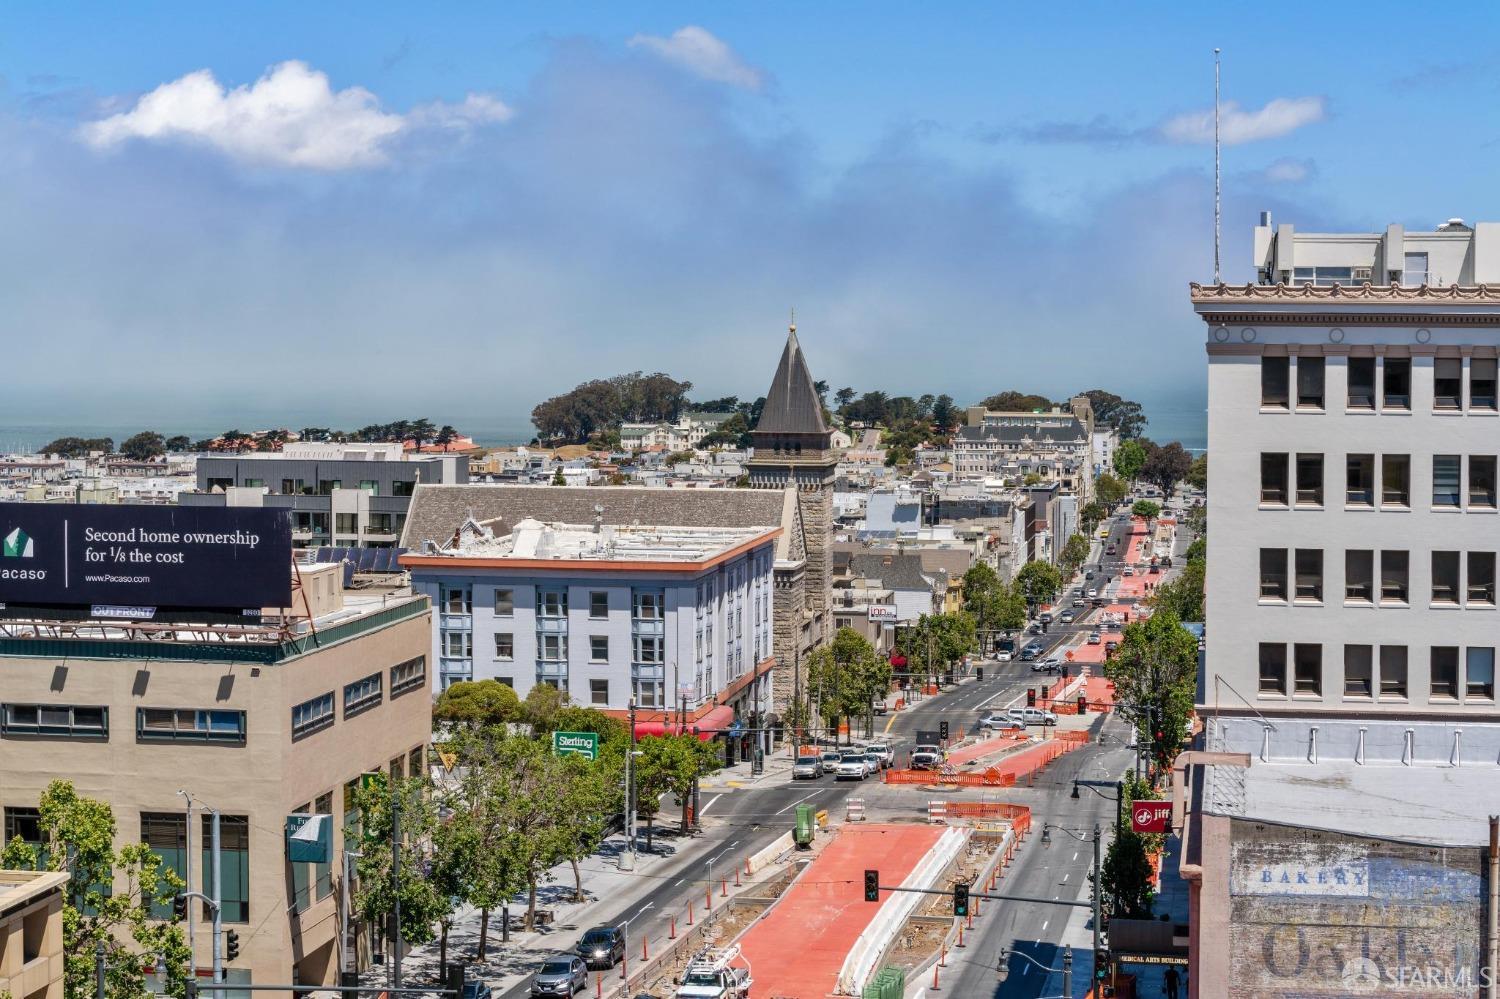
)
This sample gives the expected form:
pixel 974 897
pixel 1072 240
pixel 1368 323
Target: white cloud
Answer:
pixel 1277 118
pixel 1289 171
pixel 290 117
pixel 698 51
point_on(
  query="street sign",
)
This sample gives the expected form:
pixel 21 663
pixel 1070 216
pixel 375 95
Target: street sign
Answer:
pixel 585 744
pixel 1150 816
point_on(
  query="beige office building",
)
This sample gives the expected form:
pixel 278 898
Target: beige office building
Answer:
pixel 31 947
pixel 260 722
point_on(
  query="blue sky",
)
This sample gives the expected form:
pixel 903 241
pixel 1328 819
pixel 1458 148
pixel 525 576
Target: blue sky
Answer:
pixel 359 211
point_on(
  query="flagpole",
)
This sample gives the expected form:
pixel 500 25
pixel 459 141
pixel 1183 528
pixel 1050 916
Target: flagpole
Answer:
pixel 1217 172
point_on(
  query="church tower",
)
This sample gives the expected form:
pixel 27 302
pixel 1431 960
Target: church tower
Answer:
pixel 794 453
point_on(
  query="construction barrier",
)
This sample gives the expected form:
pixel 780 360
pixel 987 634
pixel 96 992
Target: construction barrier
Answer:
pixel 1003 774
pixel 854 810
pixel 936 812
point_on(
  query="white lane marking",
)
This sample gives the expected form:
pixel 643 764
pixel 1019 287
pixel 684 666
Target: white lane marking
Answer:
pixel 680 883
pixel 1025 969
pixel 1075 854
pixel 1065 879
pixel 710 804
pixel 1044 925
pixel 795 803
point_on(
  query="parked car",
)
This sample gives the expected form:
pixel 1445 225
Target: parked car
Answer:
pixel 886 754
pixel 1000 721
pixel 926 758
pixel 1032 716
pixel 807 768
pixel 1066 617
pixel 563 975
pixel 1093 638
pixel 602 947
pixel 1003 656
pixel 852 766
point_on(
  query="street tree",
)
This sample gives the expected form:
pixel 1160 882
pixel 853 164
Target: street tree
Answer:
pixel 1128 418
pixel 1130 458
pixel 1110 490
pixel 1145 508
pixel 672 764
pixel 1197 473
pixel 1127 877
pixel 144 446
pixel 542 703
pixel 1038 582
pixel 938 641
pixel 847 676
pixel 1091 516
pixel 1155 672
pixel 78 836
pixel 477 703
pixel 423 905
pixel 1074 554
pixel 1166 465
pixel 1183 596
pixel 992 602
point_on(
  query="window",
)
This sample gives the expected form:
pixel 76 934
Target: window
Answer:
pixel 1309 480
pixel 152 724
pixel 1444 674
pixel 1393 672
pixel 1447 383
pixel 1397 383
pixel 649 649
pixel 362 695
pixel 1479 674
pixel 598 691
pixel 1414 273
pixel 1273 479
pixel 1310 574
pixel 1273 573
pixel 1482 481
pixel 1394 572
pixel 1395 480
pixel 370 486
pixel 1445 578
pixel 1481 586
pixel 648 606
pixel 458 644
pixel 1482 383
pixel 234 865
pixel 1310 383
pixel 415 763
pixel 1358 670
pixel 310 716
pixel 1273 668
pixel 1359 575
pixel 409 675
pixel 69 721
pixel 458 600
pixel 1275 381
pixel 599 648
pixel 648 693
pixel 1359 479
pixel 1324 276
pixel 1307 664
pixel 1361 382
pixel 554 603
pixel 1447 474
pixel 505 645
pixel 598 605
pixel 505 603
pixel 552 648
pixel 165 834
pixel 25 824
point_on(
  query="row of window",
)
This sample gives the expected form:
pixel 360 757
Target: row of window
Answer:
pixel 82 721
pixel 645 605
pixel 554 648
pixel 1455 673
pixel 648 693
pixel 1371 385
pixel 1391 586
pixel 317 713
pixel 1298 480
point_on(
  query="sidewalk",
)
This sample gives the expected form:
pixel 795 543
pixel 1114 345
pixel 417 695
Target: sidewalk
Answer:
pixel 777 769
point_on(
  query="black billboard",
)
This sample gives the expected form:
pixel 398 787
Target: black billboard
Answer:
pixel 143 557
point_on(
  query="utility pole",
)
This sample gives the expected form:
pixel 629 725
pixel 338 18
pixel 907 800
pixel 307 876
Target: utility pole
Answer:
pixel 627 859
pixel 395 884
pixel 797 705
pixel 218 944
pixel 187 875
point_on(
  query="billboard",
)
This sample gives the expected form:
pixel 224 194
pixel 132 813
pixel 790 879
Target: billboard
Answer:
pixel 882 612
pixel 139 558
pixel 1316 913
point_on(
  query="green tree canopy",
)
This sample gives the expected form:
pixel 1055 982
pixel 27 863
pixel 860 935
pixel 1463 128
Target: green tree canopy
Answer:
pixel 1011 401
pixel 1091 516
pixel 1074 554
pixel 1197 473
pixel 1155 672
pixel 1130 458
pixel 477 703
pixel 1109 489
pixel 1146 508
pixel 1166 465
pixel 144 446
pixel 1038 582
pixel 1125 416
pixel 847 676
pixel 669 764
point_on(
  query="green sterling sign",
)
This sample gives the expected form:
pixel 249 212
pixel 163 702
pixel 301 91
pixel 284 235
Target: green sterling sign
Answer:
pixel 585 744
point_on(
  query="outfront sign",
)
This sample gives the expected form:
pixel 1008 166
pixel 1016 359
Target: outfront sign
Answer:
pixel 1150 816
pixel 585 744
pixel 141 557
pixel 882 612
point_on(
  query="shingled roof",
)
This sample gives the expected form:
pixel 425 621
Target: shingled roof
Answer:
pixel 437 509
pixel 792 405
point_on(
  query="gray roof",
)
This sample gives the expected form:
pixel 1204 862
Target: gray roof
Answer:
pixel 792 405
pixel 895 572
pixel 1072 433
pixel 438 510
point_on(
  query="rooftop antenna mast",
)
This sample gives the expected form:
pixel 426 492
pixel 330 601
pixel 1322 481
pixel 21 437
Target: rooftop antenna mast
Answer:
pixel 1216 166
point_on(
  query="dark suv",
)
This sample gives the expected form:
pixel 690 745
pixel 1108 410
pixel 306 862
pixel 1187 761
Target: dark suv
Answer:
pixel 602 946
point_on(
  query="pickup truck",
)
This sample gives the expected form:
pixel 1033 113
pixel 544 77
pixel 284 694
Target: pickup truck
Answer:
pixel 712 976
pixel 886 754
pixel 926 758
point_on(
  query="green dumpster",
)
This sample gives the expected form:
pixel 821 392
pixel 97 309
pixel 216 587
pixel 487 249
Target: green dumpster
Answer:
pixel 888 983
pixel 804 831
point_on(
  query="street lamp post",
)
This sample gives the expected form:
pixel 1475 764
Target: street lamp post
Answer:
pixel 1098 839
pixel 1001 971
pixel 627 859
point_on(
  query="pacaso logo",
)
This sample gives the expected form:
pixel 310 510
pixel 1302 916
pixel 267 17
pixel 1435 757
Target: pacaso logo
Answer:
pixel 18 544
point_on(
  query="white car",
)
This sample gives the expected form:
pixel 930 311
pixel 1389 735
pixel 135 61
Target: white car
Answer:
pixel 853 766
pixel 1127 571
pixel 1032 716
pixel 1004 656
pixel 886 754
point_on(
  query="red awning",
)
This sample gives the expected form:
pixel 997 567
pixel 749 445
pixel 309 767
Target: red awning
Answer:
pixel 707 726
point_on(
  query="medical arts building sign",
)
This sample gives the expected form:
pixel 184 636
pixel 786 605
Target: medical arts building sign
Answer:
pixel 1322 914
pixel 139 559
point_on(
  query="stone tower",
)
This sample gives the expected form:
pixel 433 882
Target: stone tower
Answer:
pixel 794 453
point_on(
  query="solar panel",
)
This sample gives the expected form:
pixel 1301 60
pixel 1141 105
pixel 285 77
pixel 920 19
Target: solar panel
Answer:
pixel 323 555
pixel 387 561
pixel 367 558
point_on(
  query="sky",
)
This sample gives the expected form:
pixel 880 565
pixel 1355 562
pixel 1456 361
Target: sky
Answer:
pixel 288 213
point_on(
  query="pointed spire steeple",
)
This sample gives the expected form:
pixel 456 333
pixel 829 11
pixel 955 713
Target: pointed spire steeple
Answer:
pixel 792 404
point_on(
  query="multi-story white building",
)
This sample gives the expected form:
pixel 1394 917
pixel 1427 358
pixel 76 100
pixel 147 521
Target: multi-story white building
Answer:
pixel 685 434
pixel 604 613
pixel 1355 433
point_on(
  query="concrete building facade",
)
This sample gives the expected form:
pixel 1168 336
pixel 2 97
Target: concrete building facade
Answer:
pixel 31 934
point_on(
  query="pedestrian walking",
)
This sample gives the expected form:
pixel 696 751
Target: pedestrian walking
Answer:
pixel 1170 983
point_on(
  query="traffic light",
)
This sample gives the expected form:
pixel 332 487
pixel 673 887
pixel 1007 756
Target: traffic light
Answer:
pixel 1031 697
pixel 1083 704
pixel 943 731
pixel 961 899
pixel 872 886
pixel 179 906
pixel 231 945
pixel 1101 964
